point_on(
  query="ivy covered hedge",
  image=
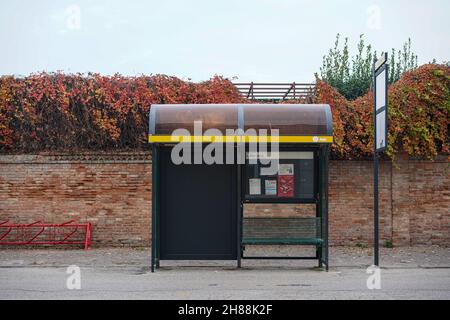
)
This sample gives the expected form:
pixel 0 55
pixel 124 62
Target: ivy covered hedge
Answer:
pixel 58 112
pixel 419 111
pixel 46 112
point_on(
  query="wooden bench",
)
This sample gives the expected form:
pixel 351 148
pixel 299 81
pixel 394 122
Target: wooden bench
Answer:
pixel 273 231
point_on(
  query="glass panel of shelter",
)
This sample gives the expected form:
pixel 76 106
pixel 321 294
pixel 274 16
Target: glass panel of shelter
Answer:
pixel 294 179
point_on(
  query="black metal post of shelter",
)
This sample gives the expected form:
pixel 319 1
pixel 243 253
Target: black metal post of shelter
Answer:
pixel 198 209
pixel 376 240
pixel 155 210
pixel 240 215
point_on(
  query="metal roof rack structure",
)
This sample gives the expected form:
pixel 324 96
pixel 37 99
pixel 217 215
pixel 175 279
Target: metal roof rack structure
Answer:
pixel 277 91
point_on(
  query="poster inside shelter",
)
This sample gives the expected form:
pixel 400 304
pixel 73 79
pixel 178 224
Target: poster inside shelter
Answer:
pixel 271 187
pixel 255 186
pixel 286 169
pixel 286 186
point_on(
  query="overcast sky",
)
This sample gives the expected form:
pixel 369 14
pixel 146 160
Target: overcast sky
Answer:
pixel 254 40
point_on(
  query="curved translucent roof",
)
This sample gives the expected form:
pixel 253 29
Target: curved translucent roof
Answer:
pixel 166 118
pixel 289 119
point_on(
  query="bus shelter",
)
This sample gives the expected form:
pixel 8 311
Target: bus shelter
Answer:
pixel 208 161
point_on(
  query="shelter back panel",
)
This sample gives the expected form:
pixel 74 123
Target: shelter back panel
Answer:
pixel 198 211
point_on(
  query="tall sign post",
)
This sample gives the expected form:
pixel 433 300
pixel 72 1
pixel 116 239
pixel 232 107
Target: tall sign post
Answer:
pixel 380 118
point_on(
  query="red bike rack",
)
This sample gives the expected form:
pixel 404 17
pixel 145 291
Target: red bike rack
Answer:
pixel 39 233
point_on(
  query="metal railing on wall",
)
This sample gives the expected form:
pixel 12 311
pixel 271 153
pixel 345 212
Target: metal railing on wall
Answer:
pixel 277 91
pixel 40 233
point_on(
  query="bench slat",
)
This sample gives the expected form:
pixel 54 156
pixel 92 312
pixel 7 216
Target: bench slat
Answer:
pixel 312 241
pixel 282 231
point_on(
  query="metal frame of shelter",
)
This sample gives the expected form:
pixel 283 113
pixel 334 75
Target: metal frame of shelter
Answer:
pixel 302 128
pixel 276 91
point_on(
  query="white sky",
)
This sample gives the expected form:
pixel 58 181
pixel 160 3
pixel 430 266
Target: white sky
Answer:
pixel 254 40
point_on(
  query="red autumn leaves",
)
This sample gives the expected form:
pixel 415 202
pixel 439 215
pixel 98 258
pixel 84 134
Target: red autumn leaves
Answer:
pixel 58 112
pixel 46 112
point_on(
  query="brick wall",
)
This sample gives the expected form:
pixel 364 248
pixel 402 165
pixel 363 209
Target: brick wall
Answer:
pixel 351 202
pixel 113 192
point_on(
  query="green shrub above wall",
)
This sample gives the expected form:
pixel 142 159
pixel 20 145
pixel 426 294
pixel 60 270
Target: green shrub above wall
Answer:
pixel 352 76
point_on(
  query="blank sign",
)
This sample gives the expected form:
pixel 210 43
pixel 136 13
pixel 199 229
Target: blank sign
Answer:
pixel 381 130
pixel 381 90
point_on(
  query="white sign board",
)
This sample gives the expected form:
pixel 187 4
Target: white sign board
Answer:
pixel 381 90
pixel 380 108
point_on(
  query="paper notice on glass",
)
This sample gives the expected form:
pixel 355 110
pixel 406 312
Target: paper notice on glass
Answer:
pixel 255 186
pixel 286 169
pixel 286 186
pixel 271 187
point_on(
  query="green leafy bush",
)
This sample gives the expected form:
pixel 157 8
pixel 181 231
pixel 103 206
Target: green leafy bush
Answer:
pixel 352 77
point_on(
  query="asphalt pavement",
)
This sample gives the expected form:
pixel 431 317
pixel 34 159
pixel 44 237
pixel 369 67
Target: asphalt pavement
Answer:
pixel 407 273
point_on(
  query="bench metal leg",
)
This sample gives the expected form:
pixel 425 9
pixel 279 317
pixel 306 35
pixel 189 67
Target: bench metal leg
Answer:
pixel 319 256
